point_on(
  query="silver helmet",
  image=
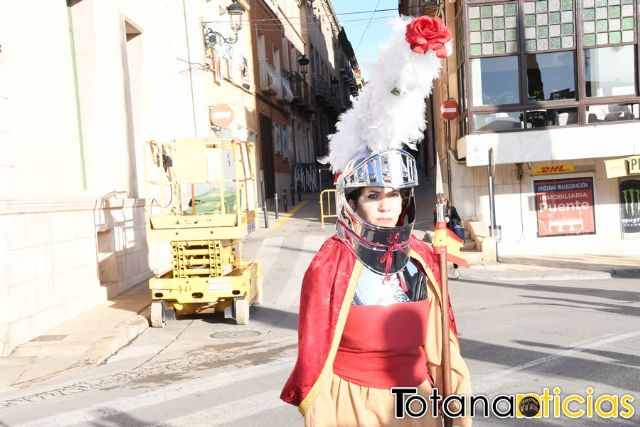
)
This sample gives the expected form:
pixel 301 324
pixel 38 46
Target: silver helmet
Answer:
pixel 385 250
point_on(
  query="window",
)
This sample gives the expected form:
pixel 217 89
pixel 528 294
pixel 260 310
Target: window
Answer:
pixel 608 22
pixel 610 71
pixel 519 59
pixel 497 121
pixel 262 56
pixel 280 141
pixel 495 80
pixel 549 25
pixel 492 29
pixel 551 117
pixel 276 59
pixel 462 90
pixel 550 76
pixel 612 113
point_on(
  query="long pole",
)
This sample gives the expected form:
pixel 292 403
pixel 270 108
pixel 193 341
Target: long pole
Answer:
pixel 441 251
pixel 492 200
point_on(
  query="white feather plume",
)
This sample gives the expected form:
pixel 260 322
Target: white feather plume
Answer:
pixel 378 119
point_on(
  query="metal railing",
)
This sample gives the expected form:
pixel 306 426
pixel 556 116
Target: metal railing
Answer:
pixel 330 211
pixel 300 88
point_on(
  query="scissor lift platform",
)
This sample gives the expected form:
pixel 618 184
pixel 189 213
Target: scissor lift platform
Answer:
pixel 212 207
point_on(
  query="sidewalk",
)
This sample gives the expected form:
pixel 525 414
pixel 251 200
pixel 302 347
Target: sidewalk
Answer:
pixel 92 337
pixel 565 267
pixel 97 334
pixel 86 340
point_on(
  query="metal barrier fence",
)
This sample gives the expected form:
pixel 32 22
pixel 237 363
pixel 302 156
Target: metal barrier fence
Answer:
pixel 330 194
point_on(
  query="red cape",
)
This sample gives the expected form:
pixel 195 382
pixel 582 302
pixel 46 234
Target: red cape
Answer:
pixel 324 287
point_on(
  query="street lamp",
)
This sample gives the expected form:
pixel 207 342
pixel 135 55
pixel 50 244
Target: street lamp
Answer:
pixel 235 11
pixel 211 37
pixel 303 61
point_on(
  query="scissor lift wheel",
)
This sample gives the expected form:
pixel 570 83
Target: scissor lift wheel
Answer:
pixel 160 313
pixel 241 310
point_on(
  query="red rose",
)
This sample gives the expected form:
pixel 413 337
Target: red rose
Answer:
pixel 428 33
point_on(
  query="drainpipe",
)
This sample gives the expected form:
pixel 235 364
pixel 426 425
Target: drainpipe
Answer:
pixel 77 95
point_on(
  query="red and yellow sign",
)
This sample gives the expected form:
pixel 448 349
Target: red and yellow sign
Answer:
pixel 564 206
pixel 550 169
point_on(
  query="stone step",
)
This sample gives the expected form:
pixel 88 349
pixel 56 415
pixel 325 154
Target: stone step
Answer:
pixel 469 245
pixel 473 257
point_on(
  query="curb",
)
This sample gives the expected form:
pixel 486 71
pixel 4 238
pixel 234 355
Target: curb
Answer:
pixel 109 345
pixel 534 274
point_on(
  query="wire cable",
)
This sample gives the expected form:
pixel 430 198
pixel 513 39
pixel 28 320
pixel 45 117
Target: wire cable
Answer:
pixel 367 27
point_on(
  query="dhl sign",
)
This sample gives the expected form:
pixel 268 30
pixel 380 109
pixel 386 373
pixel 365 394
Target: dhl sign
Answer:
pixel 551 169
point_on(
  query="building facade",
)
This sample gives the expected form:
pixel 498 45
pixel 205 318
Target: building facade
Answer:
pixel 82 98
pixel 75 121
pixel 550 89
pixel 331 71
pixel 305 75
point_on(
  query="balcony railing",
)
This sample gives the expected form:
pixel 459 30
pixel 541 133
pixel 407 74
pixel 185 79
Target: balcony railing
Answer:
pixel 300 89
pixel 286 94
pixel 325 96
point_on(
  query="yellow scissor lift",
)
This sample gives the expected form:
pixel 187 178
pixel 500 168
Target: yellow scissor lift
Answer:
pixel 204 202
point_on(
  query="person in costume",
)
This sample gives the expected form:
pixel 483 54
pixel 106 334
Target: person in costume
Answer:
pixel 370 312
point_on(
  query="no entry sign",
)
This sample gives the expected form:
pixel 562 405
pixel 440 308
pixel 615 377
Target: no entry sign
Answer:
pixel 449 109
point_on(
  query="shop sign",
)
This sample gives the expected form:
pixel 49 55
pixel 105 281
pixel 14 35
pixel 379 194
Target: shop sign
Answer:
pixel 624 166
pixel 564 206
pixel 630 207
pixel 616 168
pixel 634 164
pixel 550 169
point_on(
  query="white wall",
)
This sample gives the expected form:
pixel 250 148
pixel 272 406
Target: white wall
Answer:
pixel 583 142
pixel 66 245
pixel 37 79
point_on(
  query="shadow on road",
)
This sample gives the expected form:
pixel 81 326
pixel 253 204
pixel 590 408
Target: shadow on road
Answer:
pixel 624 310
pixel 589 371
pixel 259 313
pixel 121 419
pixel 613 294
pixel 604 263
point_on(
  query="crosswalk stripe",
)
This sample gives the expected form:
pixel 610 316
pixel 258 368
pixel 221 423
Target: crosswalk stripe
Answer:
pixel 268 255
pixel 160 395
pixel 289 294
pixel 227 413
pixel 496 380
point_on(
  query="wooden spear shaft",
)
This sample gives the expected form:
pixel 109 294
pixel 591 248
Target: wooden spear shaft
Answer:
pixel 444 281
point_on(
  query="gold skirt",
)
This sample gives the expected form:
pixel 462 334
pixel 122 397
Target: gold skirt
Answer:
pixel 344 404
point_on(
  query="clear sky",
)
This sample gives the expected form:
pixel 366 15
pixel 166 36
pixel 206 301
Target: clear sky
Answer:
pixel 366 31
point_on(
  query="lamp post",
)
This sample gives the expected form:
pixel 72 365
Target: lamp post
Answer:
pixel 211 37
pixel 303 62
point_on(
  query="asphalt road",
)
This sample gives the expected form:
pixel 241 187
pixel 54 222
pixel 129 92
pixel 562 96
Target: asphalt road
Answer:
pixel 202 370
